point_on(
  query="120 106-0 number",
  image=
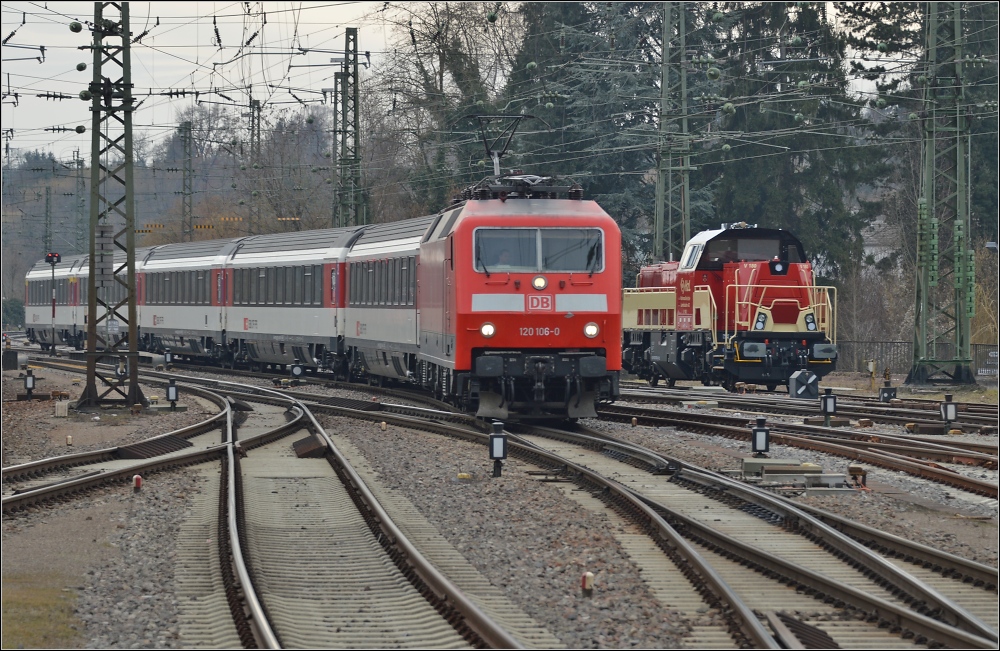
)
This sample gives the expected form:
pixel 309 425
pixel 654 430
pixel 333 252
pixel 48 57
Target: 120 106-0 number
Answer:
pixel 539 332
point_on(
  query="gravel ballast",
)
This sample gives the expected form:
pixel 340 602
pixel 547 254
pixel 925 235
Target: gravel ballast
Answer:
pixel 526 536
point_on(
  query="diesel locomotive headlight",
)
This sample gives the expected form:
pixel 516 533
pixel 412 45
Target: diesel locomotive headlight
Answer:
pixel 761 322
pixel 810 322
pixel 487 330
pixel 591 330
pixel 539 282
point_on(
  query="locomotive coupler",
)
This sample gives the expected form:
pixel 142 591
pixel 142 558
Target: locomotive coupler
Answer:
pixel 541 366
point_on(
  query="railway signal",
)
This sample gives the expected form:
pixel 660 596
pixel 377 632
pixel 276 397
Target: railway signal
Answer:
pixel 498 447
pixel 29 383
pixel 949 412
pixel 828 406
pixel 53 259
pixel 172 395
pixel 760 438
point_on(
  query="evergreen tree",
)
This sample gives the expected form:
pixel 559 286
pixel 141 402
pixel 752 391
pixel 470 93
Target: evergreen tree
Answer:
pixel 796 157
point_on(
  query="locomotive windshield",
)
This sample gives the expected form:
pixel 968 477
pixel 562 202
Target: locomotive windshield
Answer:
pixel 539 249
pixel 740 248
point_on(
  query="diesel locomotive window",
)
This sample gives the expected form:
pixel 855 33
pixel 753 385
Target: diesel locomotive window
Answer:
pixel 539 249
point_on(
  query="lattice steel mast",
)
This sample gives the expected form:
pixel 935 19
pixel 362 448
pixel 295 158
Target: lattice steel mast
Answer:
pixel 112 284
pixel 672 225
pixel 352 208
pixel 945 296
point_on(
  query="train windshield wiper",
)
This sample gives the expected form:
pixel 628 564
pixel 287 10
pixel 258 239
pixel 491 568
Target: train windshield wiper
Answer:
pixel 593 257
pixel 479 259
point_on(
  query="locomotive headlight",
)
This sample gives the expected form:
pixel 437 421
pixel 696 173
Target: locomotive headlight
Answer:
pixel 539 282
pixel 761 322
pixel 591 330
pixel 810 322
pixel 487 330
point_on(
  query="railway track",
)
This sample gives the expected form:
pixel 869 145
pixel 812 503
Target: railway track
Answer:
pixel 779 542
pixel 770 625
pixel 980 419
pixel 877 450
pixel 364 573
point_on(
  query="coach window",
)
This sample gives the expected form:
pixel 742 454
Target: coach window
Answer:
pixel 317 284
pixel 289 285
pixel 357 294
pixel 167 285
pixel 352 284
pixel 383 285
pixel 394 281
pixel 307 285
pixel 269 282
pixel 383 289
pixel 279 286
pixel 299 273
pixel 369 281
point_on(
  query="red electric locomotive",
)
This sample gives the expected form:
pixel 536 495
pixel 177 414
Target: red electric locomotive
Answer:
pixel 741 306
pixel 520 299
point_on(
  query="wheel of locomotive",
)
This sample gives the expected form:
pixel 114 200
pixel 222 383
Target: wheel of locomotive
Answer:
pixel 772 387
pixel 653 380
pixel 256 367
pixel 671 382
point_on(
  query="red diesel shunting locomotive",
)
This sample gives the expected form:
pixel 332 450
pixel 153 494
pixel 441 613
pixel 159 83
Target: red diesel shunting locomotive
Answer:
pixel 740 306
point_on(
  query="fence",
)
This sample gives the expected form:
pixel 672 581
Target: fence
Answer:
pixel 853 356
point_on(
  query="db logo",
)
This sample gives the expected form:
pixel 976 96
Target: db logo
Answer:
pixel 540 303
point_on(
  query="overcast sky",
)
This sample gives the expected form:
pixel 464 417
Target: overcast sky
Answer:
pixel 179 51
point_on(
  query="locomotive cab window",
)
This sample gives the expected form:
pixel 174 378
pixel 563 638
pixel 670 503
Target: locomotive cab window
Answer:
pixel 539 249
pixel 691 255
